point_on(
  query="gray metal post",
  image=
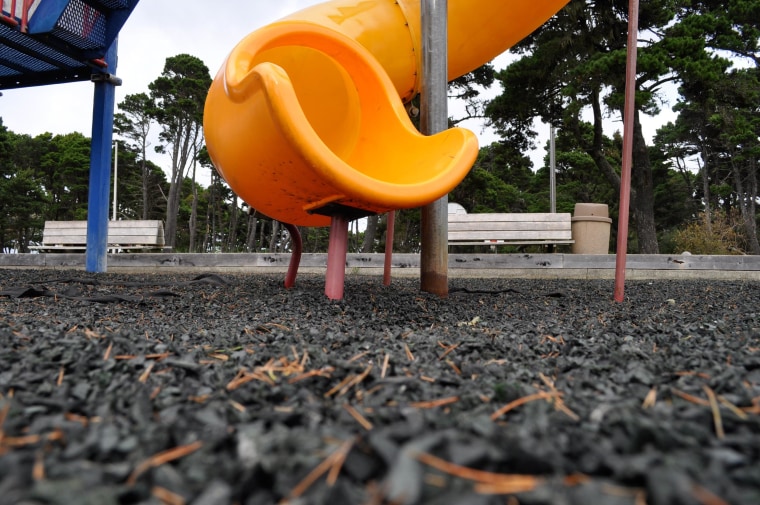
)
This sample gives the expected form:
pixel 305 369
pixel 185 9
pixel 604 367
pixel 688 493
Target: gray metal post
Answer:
pixel 115 176
pixel 434 260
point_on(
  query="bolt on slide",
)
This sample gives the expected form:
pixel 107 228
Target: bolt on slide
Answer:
pixel 306 122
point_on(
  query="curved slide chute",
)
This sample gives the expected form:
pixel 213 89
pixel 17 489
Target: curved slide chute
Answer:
pixel 306 119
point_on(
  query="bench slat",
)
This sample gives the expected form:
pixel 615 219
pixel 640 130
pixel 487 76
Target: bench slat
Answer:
pixel 500 217
pixel 515 242
pixel 513 235
pixel 494 227
pixel 504 228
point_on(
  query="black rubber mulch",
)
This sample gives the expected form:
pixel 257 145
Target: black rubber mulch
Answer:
pixel 123 389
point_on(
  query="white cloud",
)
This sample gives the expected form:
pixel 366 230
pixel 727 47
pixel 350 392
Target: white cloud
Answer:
pixel 155 31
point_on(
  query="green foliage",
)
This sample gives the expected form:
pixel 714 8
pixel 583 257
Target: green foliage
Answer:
pixel 468 87
pixel 718 236
pixel 575 64
pixel 408 232
pixel 482 191
pixel 179 96
pixel 64 166
pixel 497 183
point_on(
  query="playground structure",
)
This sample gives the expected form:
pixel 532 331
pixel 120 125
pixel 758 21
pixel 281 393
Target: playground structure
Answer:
pixel 55 41
pixel 306 119
pixel 58 41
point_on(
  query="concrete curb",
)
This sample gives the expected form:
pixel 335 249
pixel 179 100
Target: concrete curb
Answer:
pixel 537 266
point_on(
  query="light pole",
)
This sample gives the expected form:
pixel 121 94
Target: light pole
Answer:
pixel 115 175
pixel 552 172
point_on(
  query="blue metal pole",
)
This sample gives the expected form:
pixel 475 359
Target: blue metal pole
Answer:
pixel 104 101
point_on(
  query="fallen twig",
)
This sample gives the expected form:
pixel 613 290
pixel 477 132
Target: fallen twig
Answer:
pixel 144 376
pixel 162 458
pixel 733 408
pixel 385 365
pixel 435 403
pixel 167 497
pixel 651 399
pixel 522 401
pixel 408 352
pixel 335 459
pixel 690 398
pixel 486 482
pixel 717 419
pixel 322 372
pixel 350 381
pixel 448 349
pixel 358 416
pixel 558 403
pixel 706 497
pixel 108 351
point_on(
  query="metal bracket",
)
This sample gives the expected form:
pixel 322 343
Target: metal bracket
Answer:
pixel 109 78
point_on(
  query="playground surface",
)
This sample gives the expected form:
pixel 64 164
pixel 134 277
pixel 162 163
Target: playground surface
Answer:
pixel 226 388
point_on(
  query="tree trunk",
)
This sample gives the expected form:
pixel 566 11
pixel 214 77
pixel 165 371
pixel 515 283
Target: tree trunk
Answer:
pixel 273 237
pixel 250 240
pixel 232 231
pixel 145 183
pixel 754 245
pixel 642 187
pixel 370 233
pixel 706 191
pixel 262 234
pixel 746 208
pixel 172 207
pixel 643 202
pixel 193 212
pixel 207 238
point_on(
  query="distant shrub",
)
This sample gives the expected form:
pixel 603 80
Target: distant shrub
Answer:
pixel 721 237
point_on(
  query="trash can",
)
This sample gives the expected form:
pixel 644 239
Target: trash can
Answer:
pixel 591 228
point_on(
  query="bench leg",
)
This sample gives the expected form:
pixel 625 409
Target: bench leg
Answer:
pixel 336 257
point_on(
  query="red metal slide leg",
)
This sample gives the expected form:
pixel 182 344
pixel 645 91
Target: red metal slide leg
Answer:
pixel 389 248
pixel 295 257
pixel 336 257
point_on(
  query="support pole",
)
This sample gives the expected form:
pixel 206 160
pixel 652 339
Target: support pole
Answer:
pixel 434 261
pixel 625 176
pixel 337 249
pixel 295 255
pixel 389 233
pixel 96 256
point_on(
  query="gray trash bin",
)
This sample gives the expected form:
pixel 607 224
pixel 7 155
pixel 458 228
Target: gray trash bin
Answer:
pixel 591 228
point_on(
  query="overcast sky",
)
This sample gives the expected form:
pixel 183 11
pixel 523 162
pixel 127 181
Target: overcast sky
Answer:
pixel 156 30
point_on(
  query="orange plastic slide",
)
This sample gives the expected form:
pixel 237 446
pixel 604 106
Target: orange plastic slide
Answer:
pixel 306 117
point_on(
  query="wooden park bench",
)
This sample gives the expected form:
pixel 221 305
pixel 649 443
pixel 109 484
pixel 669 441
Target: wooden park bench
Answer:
pixel 510 229
pixel 122 235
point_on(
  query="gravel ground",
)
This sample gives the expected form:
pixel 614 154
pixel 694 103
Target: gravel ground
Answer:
pixel 207 389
